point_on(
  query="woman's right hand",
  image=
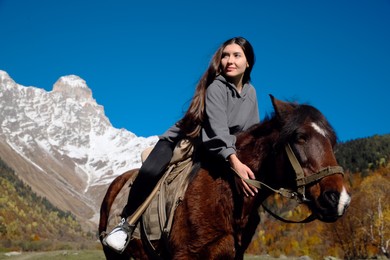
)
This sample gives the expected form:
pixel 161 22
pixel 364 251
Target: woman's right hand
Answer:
pixel 245 172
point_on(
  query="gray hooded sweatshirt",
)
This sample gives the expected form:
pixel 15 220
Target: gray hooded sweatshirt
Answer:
pixel 227 113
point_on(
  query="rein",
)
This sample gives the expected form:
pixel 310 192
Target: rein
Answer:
pixel 301 181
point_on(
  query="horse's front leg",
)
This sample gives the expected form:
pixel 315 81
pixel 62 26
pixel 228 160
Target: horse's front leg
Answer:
pixel 247 234
pixel 223 248
pixel 220 248
pixel 203 222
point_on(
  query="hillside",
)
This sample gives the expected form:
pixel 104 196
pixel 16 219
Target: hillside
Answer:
pixel 364 154
pixel 30 222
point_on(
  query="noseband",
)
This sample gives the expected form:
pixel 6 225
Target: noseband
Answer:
pixel 301 182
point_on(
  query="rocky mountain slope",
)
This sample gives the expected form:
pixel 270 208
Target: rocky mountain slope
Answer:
pixel 61 143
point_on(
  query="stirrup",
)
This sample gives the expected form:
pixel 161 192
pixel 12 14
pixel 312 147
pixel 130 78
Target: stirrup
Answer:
pixel 123 231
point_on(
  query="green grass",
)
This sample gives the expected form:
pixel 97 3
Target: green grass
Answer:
pixel 56 255
pixel 82 255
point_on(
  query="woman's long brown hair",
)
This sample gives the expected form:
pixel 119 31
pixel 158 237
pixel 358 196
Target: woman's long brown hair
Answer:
pixel 191 123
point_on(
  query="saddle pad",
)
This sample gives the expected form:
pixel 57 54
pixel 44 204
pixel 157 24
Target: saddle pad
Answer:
pixel 158 217
pixel 159 214
pixel 120 202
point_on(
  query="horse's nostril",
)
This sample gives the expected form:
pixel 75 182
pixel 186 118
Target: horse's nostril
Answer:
pixel 331 198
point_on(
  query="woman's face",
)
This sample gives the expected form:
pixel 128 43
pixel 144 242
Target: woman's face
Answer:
pixel 233 61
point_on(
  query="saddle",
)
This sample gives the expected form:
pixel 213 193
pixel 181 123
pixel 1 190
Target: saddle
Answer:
pixel 156 219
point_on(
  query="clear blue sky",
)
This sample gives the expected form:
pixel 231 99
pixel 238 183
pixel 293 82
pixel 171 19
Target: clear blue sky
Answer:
pixel 142 59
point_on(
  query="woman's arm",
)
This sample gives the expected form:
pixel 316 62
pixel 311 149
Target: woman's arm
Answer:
pixel 245 173
pixel 217 138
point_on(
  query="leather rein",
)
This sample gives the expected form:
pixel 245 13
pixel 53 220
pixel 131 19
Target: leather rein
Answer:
pixel 301 182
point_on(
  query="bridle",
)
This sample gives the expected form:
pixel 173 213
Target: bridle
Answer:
pixel 301 182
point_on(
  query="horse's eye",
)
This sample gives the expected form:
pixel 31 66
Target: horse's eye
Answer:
pixel 301 139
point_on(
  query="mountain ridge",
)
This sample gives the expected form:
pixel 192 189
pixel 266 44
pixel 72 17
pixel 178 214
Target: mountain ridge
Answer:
pixel 61 143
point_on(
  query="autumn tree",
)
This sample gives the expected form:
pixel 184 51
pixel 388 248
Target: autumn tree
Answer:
pixel 365 229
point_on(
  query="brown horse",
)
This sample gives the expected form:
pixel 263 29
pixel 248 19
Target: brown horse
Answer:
pixel 292 150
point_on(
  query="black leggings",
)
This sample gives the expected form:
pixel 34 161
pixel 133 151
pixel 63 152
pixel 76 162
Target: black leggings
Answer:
pixel 149 174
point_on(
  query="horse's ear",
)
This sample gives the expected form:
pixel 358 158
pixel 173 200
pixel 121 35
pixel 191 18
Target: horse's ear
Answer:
pixel 281 108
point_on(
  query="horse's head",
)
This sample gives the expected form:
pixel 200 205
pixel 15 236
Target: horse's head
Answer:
pixel 305 143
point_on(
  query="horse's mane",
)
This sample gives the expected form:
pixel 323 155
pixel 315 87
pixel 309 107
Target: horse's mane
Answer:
pixel 278 129
pixel 300 115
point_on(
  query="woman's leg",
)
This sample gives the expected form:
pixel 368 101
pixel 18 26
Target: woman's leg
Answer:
pixel 149 175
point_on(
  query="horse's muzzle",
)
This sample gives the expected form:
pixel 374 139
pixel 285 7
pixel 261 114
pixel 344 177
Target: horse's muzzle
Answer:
pixel 331 205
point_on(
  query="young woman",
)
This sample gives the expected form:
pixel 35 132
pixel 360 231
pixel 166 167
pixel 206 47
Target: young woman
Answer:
pixel 224 103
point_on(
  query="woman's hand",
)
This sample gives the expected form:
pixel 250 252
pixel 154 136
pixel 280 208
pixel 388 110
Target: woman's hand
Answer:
pixel 245 172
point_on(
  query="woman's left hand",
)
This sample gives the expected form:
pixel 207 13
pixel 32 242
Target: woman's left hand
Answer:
pixel 245 172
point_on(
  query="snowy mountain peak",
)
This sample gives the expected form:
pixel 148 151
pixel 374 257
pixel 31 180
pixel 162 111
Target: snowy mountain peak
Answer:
pixel 73 86
pixel 6 80
pixel 66 137
pixel 3 75
pixel 72 81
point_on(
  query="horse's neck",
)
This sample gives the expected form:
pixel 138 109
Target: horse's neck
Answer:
pixel 255 154
pixel 255 148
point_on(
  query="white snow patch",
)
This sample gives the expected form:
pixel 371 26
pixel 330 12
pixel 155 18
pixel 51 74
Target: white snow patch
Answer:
pixel 16 149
